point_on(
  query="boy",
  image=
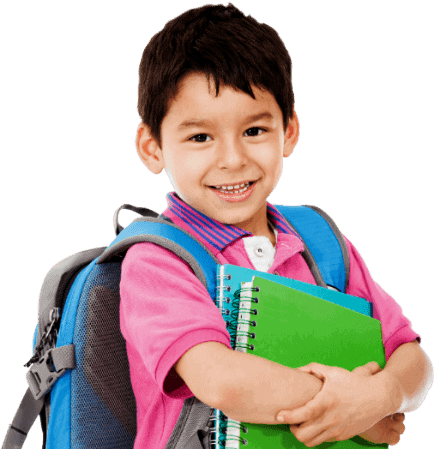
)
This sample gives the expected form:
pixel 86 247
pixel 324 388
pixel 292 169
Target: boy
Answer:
pixel 216 102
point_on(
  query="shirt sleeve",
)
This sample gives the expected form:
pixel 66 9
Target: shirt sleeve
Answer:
pixel 396 328
pixel 165 310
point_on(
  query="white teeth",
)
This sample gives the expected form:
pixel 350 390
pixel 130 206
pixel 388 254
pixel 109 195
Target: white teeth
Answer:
pixel 238 188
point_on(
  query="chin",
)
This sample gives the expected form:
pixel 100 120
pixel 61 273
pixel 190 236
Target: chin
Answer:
pixel 231 219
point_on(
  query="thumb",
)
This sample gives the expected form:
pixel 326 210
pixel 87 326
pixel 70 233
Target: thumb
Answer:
pixel 298 415
pixel 316 369
pixel 370 368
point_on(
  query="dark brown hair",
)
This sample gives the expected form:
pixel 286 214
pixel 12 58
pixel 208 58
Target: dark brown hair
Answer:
pixel 221 42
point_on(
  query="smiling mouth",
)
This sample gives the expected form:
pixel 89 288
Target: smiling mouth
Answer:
pixel 234 188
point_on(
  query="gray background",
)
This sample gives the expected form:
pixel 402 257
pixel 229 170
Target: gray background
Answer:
pixel 363 92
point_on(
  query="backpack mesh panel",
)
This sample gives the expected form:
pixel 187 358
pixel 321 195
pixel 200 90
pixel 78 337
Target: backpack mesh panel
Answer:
pixel 103 408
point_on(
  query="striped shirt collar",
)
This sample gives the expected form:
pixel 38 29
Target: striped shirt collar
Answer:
pixel 218 234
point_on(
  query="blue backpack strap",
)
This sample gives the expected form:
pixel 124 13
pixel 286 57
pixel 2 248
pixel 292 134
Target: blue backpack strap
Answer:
pixel 325 250
pixel 169 236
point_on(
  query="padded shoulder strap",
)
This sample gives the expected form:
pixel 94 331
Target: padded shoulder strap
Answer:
pixel 325 246
pixel 155 230
pixel 172 237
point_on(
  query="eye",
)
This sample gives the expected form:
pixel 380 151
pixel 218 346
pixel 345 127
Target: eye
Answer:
pixel 255 131
pixel 200 138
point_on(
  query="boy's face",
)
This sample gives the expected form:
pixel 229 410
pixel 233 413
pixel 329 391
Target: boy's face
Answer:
pixel 231 140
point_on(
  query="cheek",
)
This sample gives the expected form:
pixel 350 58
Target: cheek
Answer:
pixel 274 169
pixel 195 164
pixel 270 160
pixel 186 167
pixel 277 169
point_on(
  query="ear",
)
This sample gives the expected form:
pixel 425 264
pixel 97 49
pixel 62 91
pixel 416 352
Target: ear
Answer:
pixel 291 135
pixel 148 149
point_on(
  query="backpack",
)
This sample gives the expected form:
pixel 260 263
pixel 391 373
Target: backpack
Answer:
pixel 79 381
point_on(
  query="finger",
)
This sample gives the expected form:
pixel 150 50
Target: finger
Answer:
pixel 297 416
pixel 314 368
pixel 312 438
pixel 370 368
pixel 395 426
pixel 359 370
pixel 307 412
pixel 398 417
pixel 373 367
pixel 399 427
pixel 318 376
pixel 393 438
pixel 394 441
pixel 309 367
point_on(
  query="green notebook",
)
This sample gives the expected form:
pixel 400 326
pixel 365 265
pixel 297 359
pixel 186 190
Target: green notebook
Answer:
pixel 294 328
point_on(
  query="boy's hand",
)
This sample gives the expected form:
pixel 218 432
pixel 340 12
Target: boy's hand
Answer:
pixel 349 403
pixel 388 430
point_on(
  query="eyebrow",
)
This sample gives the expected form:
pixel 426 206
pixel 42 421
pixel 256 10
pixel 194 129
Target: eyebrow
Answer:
pixel 190 123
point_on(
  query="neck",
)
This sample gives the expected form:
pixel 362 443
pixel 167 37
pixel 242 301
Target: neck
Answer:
pixel 271 235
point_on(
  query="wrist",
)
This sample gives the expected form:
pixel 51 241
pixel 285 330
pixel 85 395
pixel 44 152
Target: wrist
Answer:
pixel 392 392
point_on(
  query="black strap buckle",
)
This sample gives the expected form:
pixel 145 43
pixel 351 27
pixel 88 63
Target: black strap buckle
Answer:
pixel 43 374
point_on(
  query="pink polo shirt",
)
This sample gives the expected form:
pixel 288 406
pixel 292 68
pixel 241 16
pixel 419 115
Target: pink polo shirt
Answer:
pixel 165 310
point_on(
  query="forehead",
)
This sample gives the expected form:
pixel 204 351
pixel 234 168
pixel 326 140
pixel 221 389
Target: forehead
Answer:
pixel 197 96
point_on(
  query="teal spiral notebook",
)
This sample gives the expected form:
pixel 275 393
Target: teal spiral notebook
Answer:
pixel 229 278
pixel 228 433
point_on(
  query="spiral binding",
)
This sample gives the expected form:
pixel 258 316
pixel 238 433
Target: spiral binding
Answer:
pixel 225 424
pixel 232 320
pixel 222 428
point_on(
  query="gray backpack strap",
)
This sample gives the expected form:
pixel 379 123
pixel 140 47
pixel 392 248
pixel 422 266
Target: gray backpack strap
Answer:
pixel 57 282
pixel 24 418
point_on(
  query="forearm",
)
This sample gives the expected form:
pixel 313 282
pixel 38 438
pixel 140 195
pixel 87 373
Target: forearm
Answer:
pixel 408 375
pixel 248 388
pixel 255 389
pixel 258 389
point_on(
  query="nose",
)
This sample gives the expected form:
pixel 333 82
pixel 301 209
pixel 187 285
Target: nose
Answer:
pixel 232 154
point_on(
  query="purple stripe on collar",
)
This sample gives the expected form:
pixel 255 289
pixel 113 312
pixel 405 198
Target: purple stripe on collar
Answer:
pixel 200 227
pixel 219 235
